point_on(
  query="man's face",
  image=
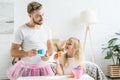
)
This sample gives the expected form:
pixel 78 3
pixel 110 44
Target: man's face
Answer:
pixel 37 17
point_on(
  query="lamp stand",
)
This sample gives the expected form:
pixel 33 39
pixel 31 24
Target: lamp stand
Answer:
pixel 86 33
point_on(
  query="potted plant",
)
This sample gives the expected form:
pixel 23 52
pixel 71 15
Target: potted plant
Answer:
pixel 112 50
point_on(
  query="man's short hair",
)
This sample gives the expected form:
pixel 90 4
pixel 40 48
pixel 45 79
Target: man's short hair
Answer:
pixel 32 6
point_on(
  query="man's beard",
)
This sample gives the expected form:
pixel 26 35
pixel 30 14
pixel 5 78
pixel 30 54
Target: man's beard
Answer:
pixel 38 23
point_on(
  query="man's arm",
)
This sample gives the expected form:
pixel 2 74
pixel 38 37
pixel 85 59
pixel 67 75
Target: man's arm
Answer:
pixel 17 52
pixel 49 47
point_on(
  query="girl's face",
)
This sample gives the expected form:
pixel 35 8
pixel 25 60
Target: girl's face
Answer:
pixel 69 47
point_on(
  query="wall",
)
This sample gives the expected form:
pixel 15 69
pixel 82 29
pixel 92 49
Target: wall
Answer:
pixel 62 16
pixel 5 43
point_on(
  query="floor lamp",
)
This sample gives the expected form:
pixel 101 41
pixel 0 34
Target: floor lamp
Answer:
pixel 87 18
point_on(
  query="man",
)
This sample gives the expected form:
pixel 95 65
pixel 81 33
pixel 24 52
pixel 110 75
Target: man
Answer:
pixel 32 36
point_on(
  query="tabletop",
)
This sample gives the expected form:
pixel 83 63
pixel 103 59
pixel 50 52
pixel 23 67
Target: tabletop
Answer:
pixel 65 77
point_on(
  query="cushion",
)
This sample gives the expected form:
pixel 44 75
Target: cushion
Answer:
pixel 58 45
pixel 61 45
pixel 55 41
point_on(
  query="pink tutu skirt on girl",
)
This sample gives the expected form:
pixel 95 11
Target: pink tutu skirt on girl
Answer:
pixel 21 69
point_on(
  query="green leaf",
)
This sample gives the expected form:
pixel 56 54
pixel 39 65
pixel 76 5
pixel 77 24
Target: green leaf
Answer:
pixel 104 49
pixel 117 33
pixel 112 41
pixel 109 55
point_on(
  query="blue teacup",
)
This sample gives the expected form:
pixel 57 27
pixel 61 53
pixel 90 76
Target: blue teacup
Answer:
pixel 41 51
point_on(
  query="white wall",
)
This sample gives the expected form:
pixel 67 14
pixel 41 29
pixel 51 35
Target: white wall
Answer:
pixel 5 59
pixel 63 18
pixel 5 43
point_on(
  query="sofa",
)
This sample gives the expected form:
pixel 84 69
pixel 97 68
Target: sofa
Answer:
pixel 94 71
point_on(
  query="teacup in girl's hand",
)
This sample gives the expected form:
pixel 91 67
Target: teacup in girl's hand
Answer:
pixel 60 54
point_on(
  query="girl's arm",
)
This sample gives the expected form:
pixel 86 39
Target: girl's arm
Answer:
pixel 59 67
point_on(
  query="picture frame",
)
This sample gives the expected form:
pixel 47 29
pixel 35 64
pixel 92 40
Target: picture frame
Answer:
pixel 6 16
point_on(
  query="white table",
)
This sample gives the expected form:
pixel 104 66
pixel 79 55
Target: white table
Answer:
pixel 84 77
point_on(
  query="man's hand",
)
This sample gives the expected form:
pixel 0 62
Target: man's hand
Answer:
pixel 45 58
pixel 32 52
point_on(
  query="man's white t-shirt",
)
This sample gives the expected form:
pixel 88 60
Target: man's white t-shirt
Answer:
pixel 32 38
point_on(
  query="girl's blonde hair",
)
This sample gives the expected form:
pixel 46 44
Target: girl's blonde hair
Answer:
pixel 77 54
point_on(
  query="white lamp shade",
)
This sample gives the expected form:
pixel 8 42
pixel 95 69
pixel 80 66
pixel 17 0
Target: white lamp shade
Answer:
pixel 88 17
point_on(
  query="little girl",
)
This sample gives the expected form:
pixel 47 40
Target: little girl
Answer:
pixel 71 59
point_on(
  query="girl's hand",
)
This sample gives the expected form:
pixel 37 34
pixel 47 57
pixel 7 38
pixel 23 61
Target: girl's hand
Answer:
pixel 56 57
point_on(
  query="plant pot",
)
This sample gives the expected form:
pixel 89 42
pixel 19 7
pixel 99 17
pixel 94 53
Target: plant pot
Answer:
pixel 113 71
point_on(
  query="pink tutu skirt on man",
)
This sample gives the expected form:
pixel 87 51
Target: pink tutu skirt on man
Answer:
pixel 21 69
